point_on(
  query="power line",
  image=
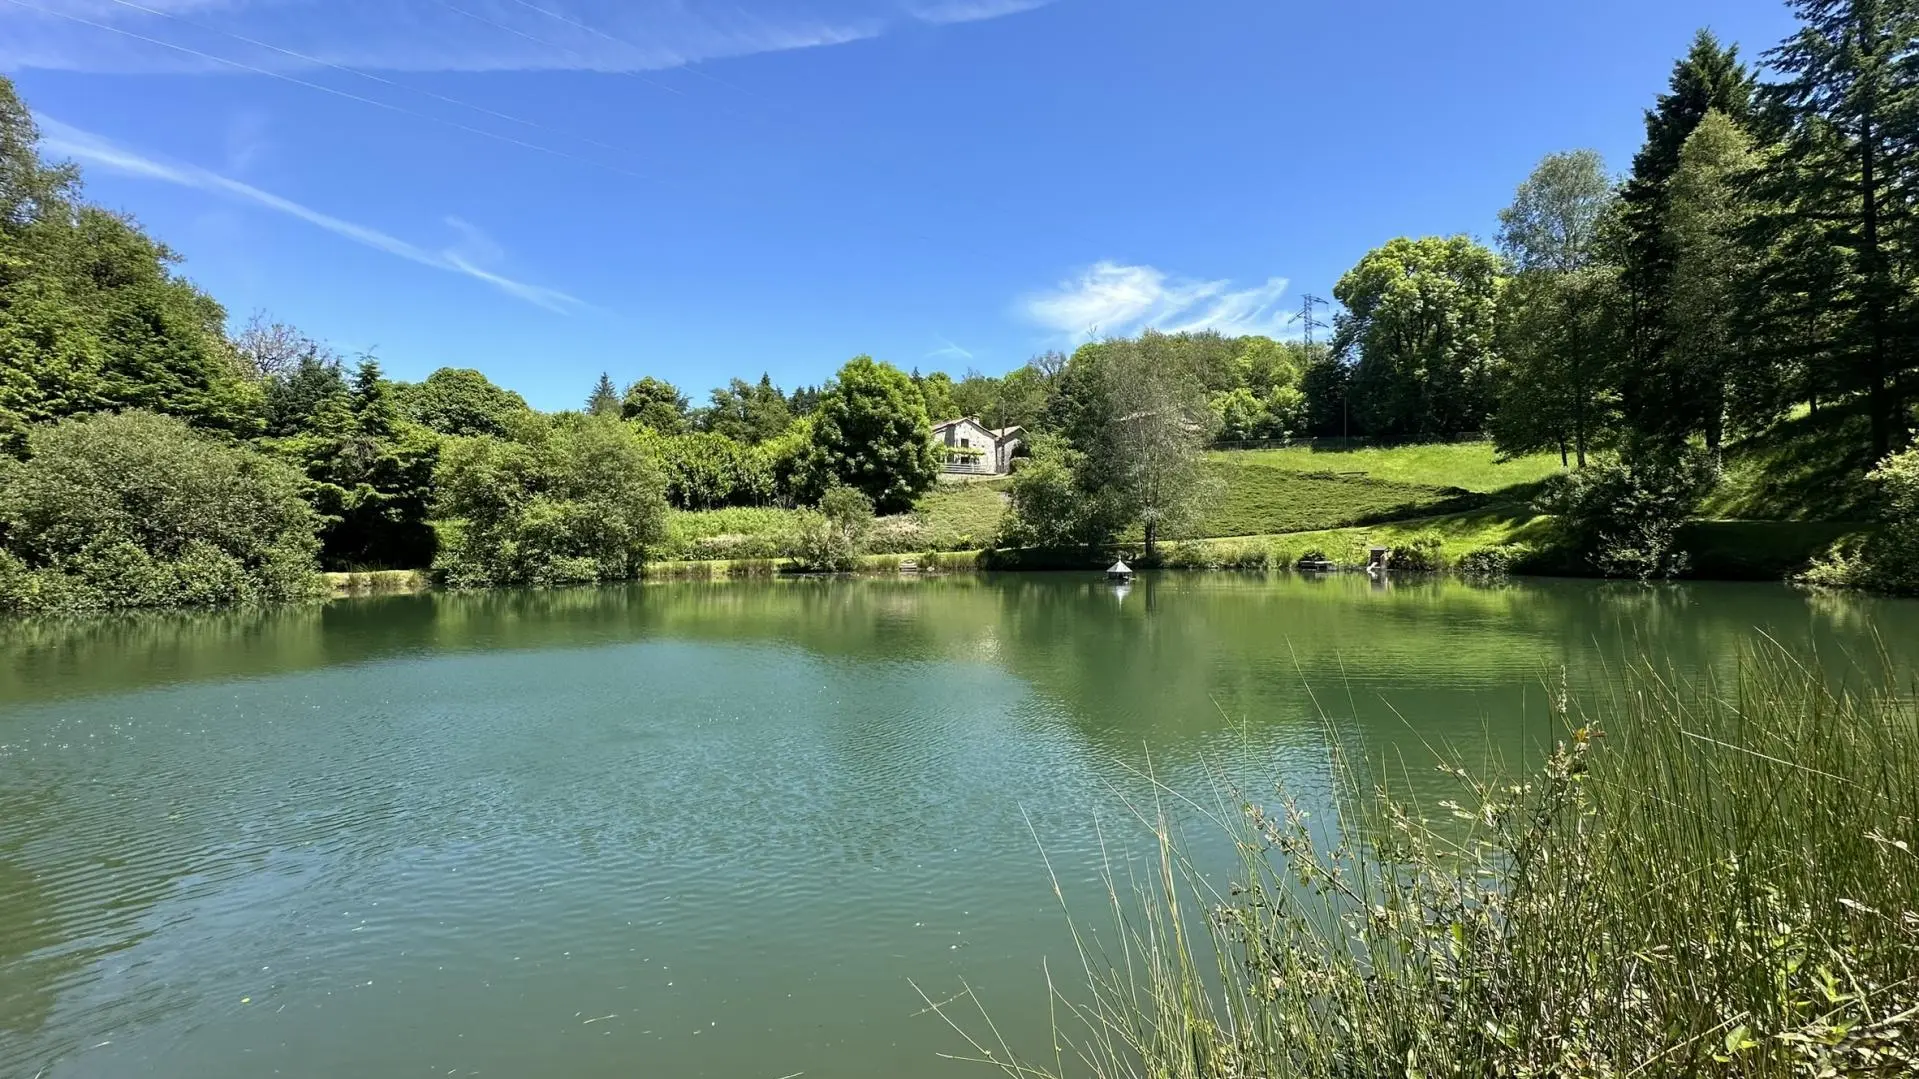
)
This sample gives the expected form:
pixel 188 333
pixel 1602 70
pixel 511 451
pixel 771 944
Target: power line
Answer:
pixel 318 62
pixel 568 50
pixel 1308 303
pixel 599 33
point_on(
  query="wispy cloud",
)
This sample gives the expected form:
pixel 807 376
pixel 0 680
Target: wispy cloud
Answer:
pixel 955 11
pixel 447 35
pixel 465 258
pixel 948 351
pixel 1121 300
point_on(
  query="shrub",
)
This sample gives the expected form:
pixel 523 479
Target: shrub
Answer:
pixel 139 510
pixel 1047 509
pixel 1313 556
pixel 1888 560
pixel 1623 516
pixel 1492 562
pixel 580 500
pixel 1424 553
pixel 832 538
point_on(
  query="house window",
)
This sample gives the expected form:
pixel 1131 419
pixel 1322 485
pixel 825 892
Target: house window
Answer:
pixel 966 443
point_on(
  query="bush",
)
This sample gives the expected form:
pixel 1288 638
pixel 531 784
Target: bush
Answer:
pixel 580 500
pixel 1888 560
pixel 1623 516
pixel 139 510
pixel 1048 509
pixel 1492 563
pixel 832 538
pixel 1425 553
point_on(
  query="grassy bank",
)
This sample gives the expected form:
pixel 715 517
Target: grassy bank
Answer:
pixel 379 582
pixel 1703 880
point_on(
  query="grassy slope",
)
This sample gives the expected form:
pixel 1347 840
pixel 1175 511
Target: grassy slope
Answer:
pixel 1787 496
pixel 1469 465
pixel 1809 468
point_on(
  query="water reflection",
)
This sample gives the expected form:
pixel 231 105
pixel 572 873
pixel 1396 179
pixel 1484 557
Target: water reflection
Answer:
pixel 425 831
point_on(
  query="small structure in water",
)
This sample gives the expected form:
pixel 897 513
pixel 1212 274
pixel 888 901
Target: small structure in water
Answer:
pixel 1120 571
pixel 1379 557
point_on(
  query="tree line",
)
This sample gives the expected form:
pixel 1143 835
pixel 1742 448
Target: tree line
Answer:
pixel 1758 256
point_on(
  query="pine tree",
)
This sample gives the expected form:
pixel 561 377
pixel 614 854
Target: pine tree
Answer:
pixel 1710 77
pixel 1844 195
pixel 604 400
pixel 1706 212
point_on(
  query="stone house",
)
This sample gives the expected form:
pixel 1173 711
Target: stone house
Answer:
pixel 972 449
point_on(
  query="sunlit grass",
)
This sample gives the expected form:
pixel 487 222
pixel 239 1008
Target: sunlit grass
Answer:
pixel 1703 879
pixel 1474 466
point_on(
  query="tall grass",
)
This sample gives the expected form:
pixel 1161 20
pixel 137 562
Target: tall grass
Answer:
pixel 1703 879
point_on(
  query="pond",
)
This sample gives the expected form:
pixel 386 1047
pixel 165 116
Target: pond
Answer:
pixel 703 829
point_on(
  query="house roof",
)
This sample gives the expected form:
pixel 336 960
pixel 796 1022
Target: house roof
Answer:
pixel 1000 435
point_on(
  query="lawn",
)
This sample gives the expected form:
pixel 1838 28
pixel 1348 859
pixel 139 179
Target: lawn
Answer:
pixel 1461 532
pixel 1258 497
pixel 1474 466
pixel 963 516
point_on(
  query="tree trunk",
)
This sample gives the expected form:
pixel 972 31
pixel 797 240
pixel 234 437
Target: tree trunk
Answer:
pixel 1152 540
pixel 1878 399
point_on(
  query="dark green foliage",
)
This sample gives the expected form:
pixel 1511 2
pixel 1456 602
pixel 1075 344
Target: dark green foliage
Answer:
pixel 1327 385
pixel 300 398
pixel 656 404
pixel 370 472
pixel 1017 399
pixel 936 391
pixel 746 412
pixel 1624 516
pixel 1842 194
pixel 139 510
pixel 804 400
pixel 577 499
pixel 1421 320
pixel 1561 316
pixel 1492 563
pixel 871 433
pixel 1709 77
pixel 460 401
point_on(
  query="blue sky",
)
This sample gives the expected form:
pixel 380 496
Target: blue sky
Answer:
pixel 545 189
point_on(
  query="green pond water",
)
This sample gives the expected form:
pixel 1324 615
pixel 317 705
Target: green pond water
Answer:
pixel 701 830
